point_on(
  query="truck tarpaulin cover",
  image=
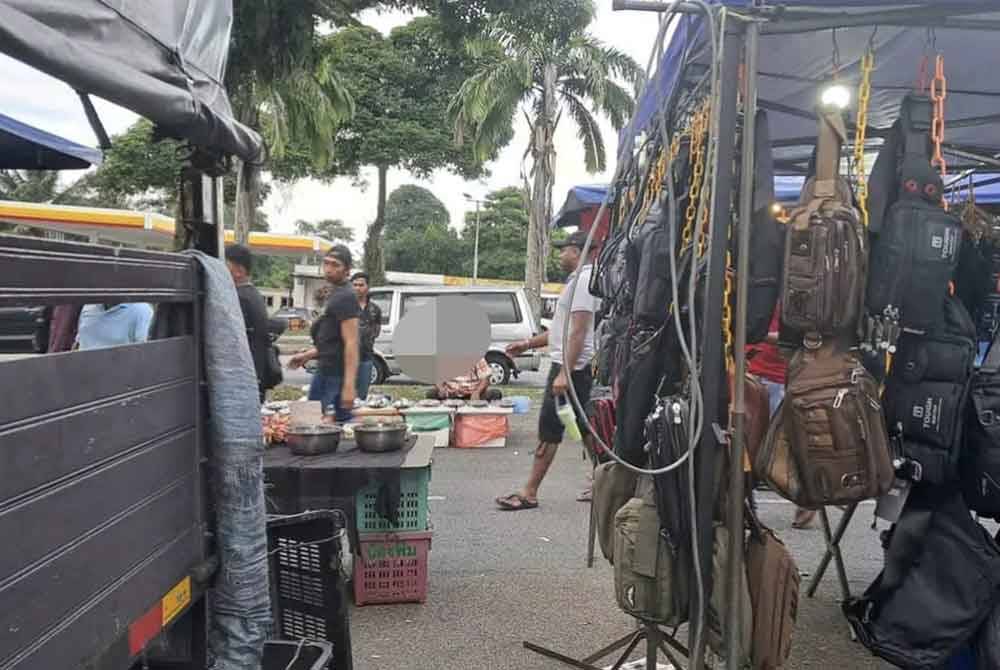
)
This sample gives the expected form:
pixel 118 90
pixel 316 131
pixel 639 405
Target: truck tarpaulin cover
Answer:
pixel 795 66
pixel 164 60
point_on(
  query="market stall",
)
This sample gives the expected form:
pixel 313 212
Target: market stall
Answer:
pixel 882 105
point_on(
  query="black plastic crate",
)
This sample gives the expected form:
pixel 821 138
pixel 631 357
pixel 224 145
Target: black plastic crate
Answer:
pixel 308 593
pixel 302 655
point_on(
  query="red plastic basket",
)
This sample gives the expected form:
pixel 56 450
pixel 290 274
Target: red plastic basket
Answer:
pixel 392 568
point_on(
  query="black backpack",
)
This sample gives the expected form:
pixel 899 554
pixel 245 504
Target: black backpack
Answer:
pixel 915 252
pixel 981 453
pixel 939 584
pixel 927 391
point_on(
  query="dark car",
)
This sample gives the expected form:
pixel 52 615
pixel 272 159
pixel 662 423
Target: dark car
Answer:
pixel 24 329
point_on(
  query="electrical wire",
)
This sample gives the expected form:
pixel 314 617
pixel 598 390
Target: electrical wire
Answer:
pixel 696 405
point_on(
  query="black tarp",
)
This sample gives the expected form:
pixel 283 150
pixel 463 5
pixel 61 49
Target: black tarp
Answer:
pixel 162 59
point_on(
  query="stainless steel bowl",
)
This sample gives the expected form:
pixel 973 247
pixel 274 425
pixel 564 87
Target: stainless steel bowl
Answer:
pixel 313 440
pixel 380 437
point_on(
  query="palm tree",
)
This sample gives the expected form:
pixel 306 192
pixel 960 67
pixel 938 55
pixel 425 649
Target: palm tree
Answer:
pixel 334 230
pixel 283 86
pixel 544 75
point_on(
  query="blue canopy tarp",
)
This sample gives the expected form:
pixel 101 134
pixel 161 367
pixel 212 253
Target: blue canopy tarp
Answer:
pixel 579 200
pixel 24 147
pixel 788 187
pixel 795 66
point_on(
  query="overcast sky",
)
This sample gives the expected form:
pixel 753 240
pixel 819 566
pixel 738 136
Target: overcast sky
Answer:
pixel 36 99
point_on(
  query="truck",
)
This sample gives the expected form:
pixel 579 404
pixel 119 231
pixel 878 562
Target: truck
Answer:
pixel 110 540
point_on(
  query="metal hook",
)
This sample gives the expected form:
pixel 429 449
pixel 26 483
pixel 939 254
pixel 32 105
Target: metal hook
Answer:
pixel 836 53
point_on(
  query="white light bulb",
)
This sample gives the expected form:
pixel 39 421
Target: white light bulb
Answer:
pixel 837 96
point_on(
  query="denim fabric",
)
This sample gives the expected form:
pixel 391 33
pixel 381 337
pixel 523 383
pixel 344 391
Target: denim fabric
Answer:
pixel 775 393
pixel 240 600
pixel 326 389
pixel 364 377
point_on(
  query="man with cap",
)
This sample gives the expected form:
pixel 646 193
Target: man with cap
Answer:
pixel 575 308
pixel 335 339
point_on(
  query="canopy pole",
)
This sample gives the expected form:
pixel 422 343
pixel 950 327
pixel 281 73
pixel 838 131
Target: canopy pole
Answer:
pixel 734 517
pixel 713 370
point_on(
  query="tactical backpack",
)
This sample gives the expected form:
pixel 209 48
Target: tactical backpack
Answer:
pixel 980 468
pixel 826 256
pixel 916 251
pixel 827 444
pixel 927 391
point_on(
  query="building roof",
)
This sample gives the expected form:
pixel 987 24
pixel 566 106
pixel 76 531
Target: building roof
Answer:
pixel 143 229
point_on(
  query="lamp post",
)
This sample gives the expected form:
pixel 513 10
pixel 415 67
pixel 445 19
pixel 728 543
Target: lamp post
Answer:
pixel 475 252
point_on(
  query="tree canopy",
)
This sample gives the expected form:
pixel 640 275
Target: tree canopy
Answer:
pixel 417 234
pixel 334 230
pixel 401 86
pixel 412 207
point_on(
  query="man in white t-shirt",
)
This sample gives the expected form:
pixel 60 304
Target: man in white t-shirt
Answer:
pixel 576 308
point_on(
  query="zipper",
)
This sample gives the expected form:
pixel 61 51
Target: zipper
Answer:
pixel 839 400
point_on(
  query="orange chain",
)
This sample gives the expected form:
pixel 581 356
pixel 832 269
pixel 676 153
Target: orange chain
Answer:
pixel 939 93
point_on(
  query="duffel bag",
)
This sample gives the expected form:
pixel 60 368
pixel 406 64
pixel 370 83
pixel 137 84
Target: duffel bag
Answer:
pixel 940 583
pixel 828 444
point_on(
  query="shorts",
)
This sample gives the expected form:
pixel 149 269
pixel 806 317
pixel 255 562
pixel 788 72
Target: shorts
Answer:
pixel 550 428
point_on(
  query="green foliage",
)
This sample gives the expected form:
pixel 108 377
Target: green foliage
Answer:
pixel 273 271
pixel 401 86
pixel 503 238
pixel 417 236
pixel 412 207
pixel 334 230
pixel 137 167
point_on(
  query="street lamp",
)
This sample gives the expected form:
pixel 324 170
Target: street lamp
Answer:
pixel 475 253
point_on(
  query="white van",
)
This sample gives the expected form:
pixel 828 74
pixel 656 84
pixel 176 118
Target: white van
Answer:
pixel 510 317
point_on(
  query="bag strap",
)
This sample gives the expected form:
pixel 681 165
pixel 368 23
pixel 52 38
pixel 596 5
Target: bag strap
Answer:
pixel 991 364
pixel 830 139
pixel 916 114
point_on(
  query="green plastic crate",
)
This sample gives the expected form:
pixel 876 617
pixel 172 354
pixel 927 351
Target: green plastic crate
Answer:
pixel 413 487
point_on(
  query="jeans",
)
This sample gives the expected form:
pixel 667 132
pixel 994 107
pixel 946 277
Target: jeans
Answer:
pixel 364 377
pixel 326 389
pixel 775 394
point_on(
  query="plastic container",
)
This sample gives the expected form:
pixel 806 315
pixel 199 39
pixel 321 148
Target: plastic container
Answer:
pixel 413 487
pixel 392 568
pixel 568 418
pixel 522 404
pixel 313 655
pixel 308 592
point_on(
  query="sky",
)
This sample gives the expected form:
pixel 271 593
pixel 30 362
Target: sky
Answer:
pixel 34 98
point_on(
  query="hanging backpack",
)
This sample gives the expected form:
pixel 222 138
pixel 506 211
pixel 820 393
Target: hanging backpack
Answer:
pixel 825 250
pixel 774 595
pixel 927 391
pixel 827 444
pixel 649 583
pixel 980 466
pixel 916 251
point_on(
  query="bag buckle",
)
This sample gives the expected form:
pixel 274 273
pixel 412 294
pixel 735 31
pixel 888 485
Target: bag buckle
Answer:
pixel 839 400
pixel 987 417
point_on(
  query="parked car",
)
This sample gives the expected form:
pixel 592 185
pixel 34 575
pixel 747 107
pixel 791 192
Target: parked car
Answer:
pixel 297 318
pixel 510 318
pixel 24 329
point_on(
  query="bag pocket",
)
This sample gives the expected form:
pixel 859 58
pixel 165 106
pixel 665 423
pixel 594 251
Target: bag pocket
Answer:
pixel 929 412
pixel 614 485
pixel 644 567
pixel 943 359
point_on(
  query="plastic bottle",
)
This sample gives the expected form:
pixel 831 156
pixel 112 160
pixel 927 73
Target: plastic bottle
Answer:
pixel 568 417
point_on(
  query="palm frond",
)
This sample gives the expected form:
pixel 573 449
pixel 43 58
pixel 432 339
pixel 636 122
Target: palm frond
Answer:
pixel 485 97
pixel 589 133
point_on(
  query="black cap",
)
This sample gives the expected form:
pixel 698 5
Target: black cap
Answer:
pixel 341 253
pixel 578 240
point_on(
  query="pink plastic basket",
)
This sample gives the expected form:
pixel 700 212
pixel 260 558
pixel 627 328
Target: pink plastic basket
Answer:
pixel 392 568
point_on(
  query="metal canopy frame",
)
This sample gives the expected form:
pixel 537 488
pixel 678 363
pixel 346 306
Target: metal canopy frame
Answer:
pixel 742 37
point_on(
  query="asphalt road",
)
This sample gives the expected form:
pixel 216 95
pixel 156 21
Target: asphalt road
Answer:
pixel 499 578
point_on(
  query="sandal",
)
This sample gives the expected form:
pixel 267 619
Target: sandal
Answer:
pixel 515 502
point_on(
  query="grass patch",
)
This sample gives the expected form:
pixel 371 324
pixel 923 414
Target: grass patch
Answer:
pixel 412 393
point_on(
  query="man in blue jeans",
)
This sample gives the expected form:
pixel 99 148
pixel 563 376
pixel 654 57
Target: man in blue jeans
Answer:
pixel 335 340
pixel 370 326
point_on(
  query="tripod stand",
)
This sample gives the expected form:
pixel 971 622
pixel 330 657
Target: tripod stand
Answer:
pixel 657 641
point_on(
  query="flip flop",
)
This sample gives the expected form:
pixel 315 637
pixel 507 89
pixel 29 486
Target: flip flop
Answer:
pixel 515 502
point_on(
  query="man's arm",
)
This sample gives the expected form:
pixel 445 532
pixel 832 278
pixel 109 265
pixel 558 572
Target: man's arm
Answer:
pixel 352 355
pixel 303 357
pixel 377 318
pixel 537 342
